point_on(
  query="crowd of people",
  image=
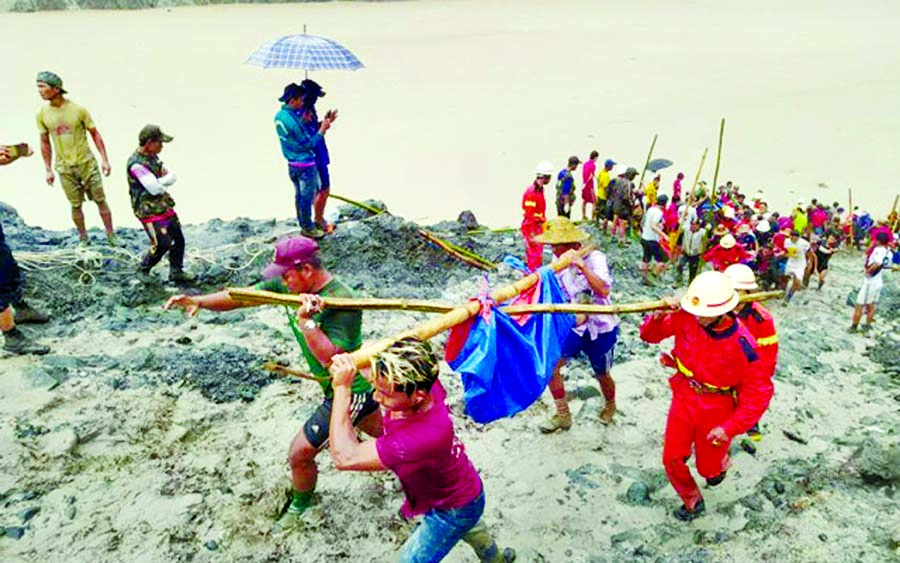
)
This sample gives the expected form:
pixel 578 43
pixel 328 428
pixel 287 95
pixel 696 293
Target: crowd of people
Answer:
pixel 693 226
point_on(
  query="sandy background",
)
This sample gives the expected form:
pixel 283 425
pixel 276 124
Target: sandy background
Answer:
pixel 460 99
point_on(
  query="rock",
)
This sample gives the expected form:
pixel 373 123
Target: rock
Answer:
pixel 876 465
pixel 211 545
pixel 467 219
pixel 638 494
pixel 29 513
pixel 895 537
pixel 823 537
pixel 61 442
pixel 753 502
pixel 184 340
pixel 15 532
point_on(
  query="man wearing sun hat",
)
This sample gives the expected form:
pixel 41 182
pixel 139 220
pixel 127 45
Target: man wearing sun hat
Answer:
pixel 321 333
pixel 720 387
pixel 586 280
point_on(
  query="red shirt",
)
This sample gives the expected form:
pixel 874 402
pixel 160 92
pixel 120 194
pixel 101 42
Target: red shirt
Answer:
pixel 724 357
pixel 721 258
pixel 533 205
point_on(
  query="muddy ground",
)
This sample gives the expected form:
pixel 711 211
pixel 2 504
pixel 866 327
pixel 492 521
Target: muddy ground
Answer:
pixel 145 436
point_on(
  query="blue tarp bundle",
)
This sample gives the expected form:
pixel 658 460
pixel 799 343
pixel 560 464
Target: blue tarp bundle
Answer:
pixel 505 366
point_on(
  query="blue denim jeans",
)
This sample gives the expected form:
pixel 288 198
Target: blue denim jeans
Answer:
pixel 306 184
pixel 439 531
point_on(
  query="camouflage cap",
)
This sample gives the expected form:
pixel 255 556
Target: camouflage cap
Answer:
pixel 51 79
pixel 152 133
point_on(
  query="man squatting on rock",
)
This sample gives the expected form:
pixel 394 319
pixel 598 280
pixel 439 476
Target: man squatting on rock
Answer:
pixel 420 447
pixel 13 308
pixel 720 388
pixel 148 183
pixel 321 334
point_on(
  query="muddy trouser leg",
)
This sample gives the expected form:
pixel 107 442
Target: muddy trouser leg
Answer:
pixel 176 253
pixel 159 244
pixel 679 437
pixel 481 540
pixel 439 531
pixel 10 276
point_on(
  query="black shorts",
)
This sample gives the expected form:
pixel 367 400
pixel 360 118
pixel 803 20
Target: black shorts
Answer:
pixel 652 250
pixel 318 424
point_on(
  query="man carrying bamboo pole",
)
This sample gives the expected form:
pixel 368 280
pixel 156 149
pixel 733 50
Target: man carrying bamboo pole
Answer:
pixel 297 269
pixel 586 280
pixel 420 447
pixel 720 388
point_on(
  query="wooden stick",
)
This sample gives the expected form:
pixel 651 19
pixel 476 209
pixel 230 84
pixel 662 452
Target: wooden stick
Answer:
pixel 718 155
pixel 256 297
pixel 892 217
pixel 458 252
pixel 850 209
pixel 275 368
pixel 649 156
pixel 368 208
pixel 690 197
pixel 625 308
pixel 461 314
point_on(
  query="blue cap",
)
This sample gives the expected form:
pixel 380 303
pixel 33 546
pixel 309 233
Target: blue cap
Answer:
pixel 609 162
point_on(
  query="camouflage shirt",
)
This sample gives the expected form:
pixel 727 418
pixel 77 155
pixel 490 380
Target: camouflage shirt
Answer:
pixel 143 203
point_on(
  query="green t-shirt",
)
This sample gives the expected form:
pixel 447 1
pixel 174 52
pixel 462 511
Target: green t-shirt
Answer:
pixel 67 127
pixel 343 328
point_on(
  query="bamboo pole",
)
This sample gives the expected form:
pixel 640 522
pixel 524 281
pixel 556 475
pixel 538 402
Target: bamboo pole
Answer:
pixel 625 308
pixel 459 252
pixel 850 210
pixel 649 156
pixel 460 314
pixel 370 304
pixel 256 297
pixel 892 216
pixel 697 177
pixel 718 155
pixel 368 208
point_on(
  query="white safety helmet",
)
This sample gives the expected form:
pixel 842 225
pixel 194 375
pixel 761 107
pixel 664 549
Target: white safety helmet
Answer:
pixel 728 212
pixel 711 294
pixel 727 241
pixel 742 276
pixel 544 168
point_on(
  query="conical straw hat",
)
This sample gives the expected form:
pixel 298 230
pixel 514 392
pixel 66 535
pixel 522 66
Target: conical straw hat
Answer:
pixel 561 231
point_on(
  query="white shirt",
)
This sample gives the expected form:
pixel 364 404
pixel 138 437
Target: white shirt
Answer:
pixel 796 253
pixel 578 290
pixel 880 255
pixel 652 218
pixel 687 214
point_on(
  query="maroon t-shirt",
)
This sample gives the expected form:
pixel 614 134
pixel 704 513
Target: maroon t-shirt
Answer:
pixel 431 463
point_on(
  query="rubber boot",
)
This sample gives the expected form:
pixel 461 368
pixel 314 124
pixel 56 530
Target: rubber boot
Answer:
pixel 481 541
pixel 608 387
pixel 17 343
pixel 25 314
pixel 557 422
pixel 686 515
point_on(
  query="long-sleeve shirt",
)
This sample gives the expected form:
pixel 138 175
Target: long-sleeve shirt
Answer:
pixel 725 358
pixel 298 142
pixel 534 206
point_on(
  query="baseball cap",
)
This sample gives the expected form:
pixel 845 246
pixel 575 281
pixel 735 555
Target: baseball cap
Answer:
pixel 291 91
pixel 51 79
pixel 574 161
pixel 609 163
pixel 290 252
pixel 153 133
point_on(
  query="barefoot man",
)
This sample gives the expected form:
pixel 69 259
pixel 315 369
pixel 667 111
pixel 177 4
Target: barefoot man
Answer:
pixel 321 334
pixel 66 124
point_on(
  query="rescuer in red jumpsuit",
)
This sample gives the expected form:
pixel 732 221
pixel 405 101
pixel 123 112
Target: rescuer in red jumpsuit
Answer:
pixel 726 253
pixel 720 388
pixel 758 321
pixel 534 207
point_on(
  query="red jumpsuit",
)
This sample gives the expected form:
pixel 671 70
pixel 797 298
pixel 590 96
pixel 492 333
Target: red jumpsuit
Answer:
pixel 761 325
pixel 721 258
pixel 534 207
pixel 720 382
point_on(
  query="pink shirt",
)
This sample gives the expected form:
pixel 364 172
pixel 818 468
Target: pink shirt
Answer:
pixel 428 459
pixel 575 286
pixel 587 173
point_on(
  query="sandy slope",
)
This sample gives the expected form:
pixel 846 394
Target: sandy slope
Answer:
pixel 155 472
pixel 460 99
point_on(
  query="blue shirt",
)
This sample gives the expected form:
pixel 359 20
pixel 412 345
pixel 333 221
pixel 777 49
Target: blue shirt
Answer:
pixel 298 142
